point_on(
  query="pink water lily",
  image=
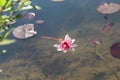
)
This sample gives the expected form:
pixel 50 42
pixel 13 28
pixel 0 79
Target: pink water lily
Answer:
pixel 66 44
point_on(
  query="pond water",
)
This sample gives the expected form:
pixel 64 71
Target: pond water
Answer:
pixel 36 58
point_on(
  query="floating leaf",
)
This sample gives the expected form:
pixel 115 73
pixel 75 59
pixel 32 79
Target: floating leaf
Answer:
pixel 7 41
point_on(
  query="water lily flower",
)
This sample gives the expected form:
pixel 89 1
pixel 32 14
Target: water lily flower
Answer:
pixel 66 44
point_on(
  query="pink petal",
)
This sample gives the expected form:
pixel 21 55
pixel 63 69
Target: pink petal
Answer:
pixel 56 45
pixel 72 49
pixel 59 49
pixel 73 45
pixel 65 51
pixel 73 40
pixel 67 38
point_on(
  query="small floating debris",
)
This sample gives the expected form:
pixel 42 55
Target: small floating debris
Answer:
pixel 29 16
pixel 95 42
pixel 24 31
pixel 39 21
pixel 3 51
pixel 57 0
pixel 108 8
pixel 115 50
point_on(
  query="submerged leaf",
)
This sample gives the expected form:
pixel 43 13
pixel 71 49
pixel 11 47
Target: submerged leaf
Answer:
pixel 18 16
pixel 7 41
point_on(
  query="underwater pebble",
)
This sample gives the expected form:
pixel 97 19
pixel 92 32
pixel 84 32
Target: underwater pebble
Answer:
pixel 1 70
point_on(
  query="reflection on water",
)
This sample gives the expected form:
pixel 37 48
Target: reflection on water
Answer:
pixel 37 59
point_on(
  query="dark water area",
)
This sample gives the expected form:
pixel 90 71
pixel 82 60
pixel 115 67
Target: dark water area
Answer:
pixel 36 59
